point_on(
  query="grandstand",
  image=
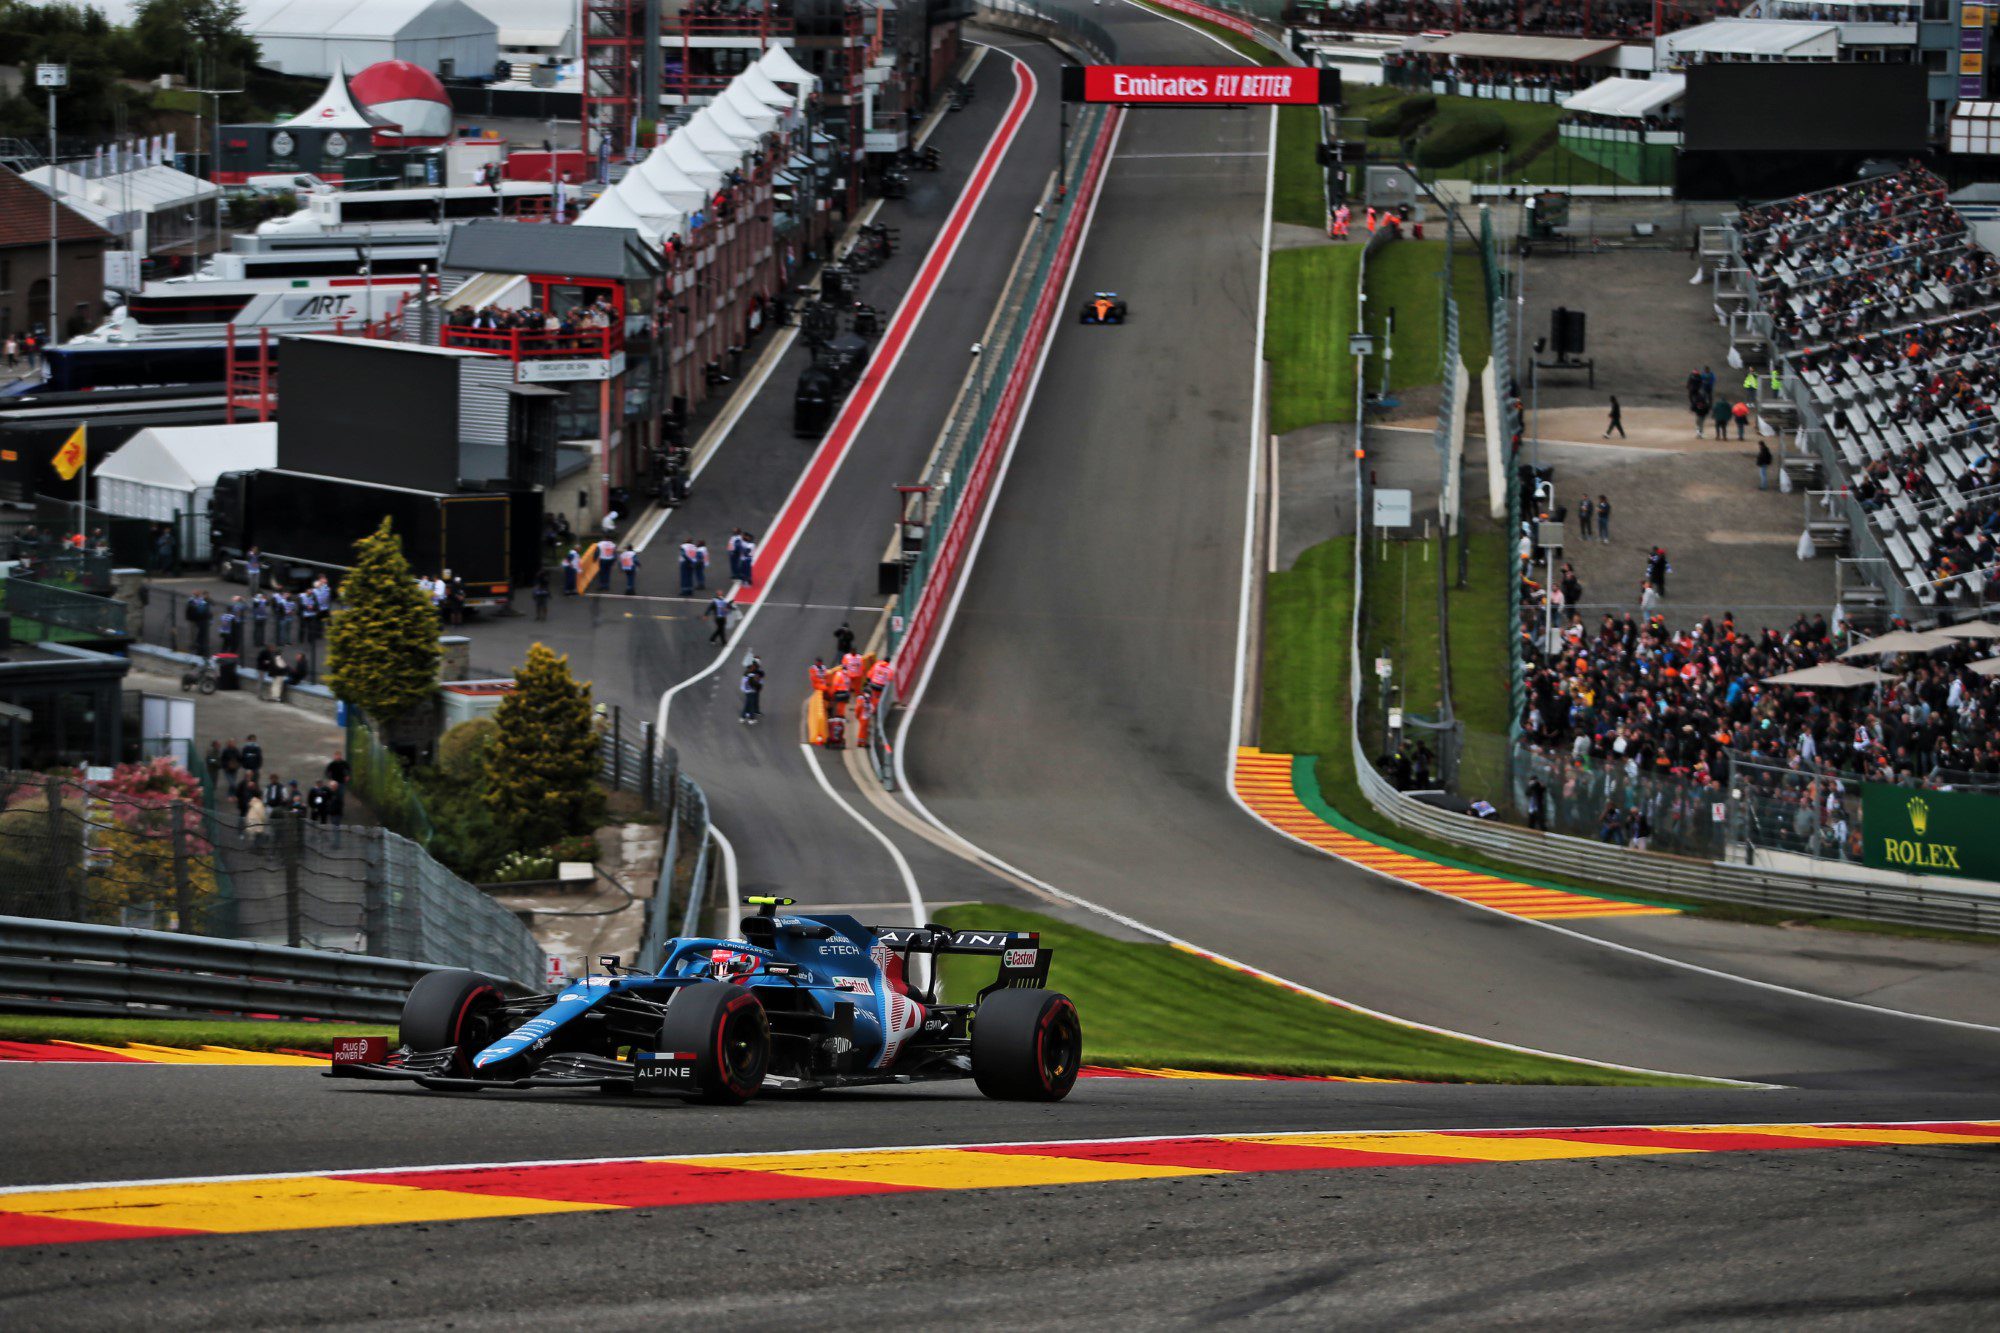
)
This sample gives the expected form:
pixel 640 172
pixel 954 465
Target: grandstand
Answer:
pixel 1622 20
pixel 1882 318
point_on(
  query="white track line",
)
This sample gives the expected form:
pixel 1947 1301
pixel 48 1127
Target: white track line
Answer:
pixel 895 853
pixel 965 1144
pixel 1250 536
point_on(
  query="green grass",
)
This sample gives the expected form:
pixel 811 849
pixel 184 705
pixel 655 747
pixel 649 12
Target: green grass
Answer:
pixel 248 1035
pixel 1311 312
pixel 1559 166
pixel 1302 707
pixel 1406 276
pixel 1298 192
pixel 1526 124
pixel 1153 1006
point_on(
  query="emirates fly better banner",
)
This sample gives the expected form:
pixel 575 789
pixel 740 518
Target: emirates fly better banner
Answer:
pixel 1201 85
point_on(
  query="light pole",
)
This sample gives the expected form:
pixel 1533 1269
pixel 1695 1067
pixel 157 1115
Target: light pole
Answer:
pixel 53 77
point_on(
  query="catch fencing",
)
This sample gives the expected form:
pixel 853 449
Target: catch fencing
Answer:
pixel 633 759
pixel 154 859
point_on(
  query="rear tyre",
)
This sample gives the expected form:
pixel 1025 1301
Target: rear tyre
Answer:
pixel 459 1009
pixel 729 1032
pixel 1026 1045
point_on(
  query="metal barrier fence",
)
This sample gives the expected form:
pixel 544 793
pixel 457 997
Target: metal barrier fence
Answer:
pixel 145 854
pixel 381 779
pixel 1067 24
pixel 65 967
pixel 633 760
pixel 62 612
pixel 162 620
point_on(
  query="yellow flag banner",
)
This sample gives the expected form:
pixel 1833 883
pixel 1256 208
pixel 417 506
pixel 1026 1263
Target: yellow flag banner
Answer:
pixel 69 459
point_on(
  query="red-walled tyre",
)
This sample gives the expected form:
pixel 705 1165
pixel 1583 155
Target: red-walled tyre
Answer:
pixel 730 1033
pixel 1026 1045
pixel 460 1009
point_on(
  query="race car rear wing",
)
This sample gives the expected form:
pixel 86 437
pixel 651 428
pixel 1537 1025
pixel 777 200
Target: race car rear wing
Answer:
pixel 1024 960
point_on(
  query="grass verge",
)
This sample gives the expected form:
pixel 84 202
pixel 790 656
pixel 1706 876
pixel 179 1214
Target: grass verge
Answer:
pixel 1406 276
pixel 1153 1006
pixel 1298 191
pixel 1310 314
pixel 248 1035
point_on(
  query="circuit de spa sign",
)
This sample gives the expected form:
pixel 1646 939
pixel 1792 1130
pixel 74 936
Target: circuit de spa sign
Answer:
pixel 1201 85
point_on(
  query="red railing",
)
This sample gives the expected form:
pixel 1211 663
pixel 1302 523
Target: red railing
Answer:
pixel 528 344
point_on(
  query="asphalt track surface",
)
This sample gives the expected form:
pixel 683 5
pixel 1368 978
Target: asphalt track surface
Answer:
pixel 1079 727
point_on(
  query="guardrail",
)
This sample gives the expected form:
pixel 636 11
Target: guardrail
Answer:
pixel 1056 24
pixel 71 967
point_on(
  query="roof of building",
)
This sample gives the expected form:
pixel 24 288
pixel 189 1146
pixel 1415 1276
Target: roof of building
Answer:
pixel 1750 37
pixel 24 216
pixel 140 190
pixel 1505 46
pixel 493 245
pixel 363 18
pixel 1628 99
pixel 186 458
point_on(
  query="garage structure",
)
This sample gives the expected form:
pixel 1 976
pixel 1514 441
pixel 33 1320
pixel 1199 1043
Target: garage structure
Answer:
pixel 308 37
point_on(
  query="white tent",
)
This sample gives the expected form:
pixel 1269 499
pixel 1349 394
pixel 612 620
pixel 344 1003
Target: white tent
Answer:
pixel 168 470
pixel 698 166
pixel 120 202
pixel 336 108
pixel 309 36
pixel 658 211
pixel 543 27
pixel 743 102
pixel 778 66
pixel 612 211
pixel 1628 99
pixel 714 138
pixel 670 182
pixel 1775 38
pixel 766 91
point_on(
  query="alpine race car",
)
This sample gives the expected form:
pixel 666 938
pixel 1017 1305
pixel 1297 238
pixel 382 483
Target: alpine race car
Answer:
pixel 798 1003
pixel 1103 308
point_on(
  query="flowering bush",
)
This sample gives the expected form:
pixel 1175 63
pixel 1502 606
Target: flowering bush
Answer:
pixel 518 866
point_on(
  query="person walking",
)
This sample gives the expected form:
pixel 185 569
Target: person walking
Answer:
pixel 1719 414
pixel 253 568
pixel 689 552
pixel 843 640
pixel 1707 382
pixel 628 565
pixel 308 616
pixel 1657 569
pixel 572 562
pixel 1617 422
pixel 256 815
pixel 1603 518
pixel 252 757
pixel 260 619
pixel 720 608
pixel 753 689
pixel 1585 510
pixel 748 577
pixel 13 351
pixel 226 624
pixel 541 594
pixel 1763 465
pixel 1742 414
pixel 1649 600
pixel 1699 406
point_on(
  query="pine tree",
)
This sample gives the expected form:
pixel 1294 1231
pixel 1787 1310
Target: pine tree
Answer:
pixel 382 649
pixel 541 766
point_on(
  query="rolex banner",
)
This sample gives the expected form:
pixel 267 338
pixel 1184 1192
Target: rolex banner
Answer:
pixel 1923 832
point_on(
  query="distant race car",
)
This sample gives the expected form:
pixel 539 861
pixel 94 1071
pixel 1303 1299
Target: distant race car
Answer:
pixel 798 1003
pixel 1103 308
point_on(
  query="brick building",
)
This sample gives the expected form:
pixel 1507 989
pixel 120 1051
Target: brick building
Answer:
pixel 24 261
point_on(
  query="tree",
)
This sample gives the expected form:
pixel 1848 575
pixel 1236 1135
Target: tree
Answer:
pixel 382 651
pixel 541 765
pixel 200 39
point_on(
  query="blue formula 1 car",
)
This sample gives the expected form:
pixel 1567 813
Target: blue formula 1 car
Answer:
pixel 798 1003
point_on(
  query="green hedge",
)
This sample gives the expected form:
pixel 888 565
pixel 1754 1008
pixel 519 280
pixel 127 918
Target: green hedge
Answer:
pixel 1462 136
pixel 1402 116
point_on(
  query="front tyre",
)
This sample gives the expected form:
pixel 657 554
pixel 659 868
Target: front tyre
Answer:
pixel 730 1034
pixel 1026 1045
pixel 453 1008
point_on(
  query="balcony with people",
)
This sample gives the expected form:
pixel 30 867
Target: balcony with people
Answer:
pixel 570 330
